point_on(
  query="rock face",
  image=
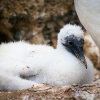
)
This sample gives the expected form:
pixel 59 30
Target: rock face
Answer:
pixel 28 19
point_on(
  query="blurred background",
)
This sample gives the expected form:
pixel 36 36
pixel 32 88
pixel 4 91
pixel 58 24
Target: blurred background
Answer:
pixel 39 22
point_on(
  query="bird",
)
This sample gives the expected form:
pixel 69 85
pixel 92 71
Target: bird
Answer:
pixel 23 65
pixel 88 12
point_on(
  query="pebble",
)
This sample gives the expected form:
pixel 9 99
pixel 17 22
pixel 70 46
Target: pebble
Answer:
pixel 1 12
pixel 40 25
pixel 30 36
pixel 19 34
pixel 47 32
pixel 42 16
pixel 13 18
pixel 49 25
pixel 22 15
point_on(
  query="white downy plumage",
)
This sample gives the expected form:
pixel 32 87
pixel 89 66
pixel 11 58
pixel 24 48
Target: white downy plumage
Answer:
pixel 23 65
pixel 89 14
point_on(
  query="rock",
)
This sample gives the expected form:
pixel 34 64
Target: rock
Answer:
pixel 42 16
pixel 1 12
pixel 32 15
pixel 22 15
pixel 13 19
pixel 18 35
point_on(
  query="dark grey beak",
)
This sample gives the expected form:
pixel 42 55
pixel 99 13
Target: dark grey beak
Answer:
pixel 75 46
pixel 84 61
pixel 78 52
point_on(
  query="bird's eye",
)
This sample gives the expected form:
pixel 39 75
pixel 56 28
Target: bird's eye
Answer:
pixel 70 43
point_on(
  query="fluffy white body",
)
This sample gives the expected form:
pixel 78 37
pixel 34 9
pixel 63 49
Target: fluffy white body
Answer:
pixel 89 14
pixel 23 65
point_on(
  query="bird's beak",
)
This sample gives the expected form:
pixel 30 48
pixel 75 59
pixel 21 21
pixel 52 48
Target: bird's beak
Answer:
pixel 80 55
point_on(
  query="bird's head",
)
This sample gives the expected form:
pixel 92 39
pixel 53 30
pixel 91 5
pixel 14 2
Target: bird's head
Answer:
pixel 71 37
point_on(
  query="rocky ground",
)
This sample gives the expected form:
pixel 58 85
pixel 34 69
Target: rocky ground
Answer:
pixel 39 21
pixel 29 20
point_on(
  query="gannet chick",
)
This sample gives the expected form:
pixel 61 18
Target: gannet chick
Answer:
pixel 24 65
pixel 89 14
